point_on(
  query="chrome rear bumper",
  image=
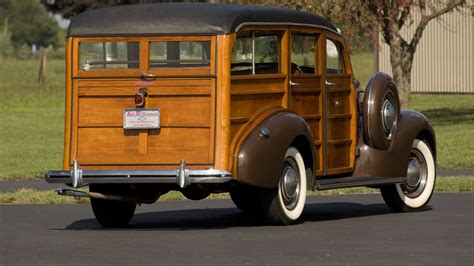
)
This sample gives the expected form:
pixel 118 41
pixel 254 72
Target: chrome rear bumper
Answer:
pixel 181 176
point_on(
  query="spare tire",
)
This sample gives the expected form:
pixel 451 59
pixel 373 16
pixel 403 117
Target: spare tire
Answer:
pixel 380 111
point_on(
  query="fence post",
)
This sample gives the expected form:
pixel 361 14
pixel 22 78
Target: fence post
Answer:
pixel 42 69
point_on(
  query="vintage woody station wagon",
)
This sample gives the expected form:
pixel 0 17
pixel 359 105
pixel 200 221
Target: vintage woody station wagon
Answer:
pixel 258 102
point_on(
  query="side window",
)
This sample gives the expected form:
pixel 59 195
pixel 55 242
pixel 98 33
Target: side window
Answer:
pixel 334 63
pixel 108 55
pixel 303 53
pixel 256 52
pixel 180 54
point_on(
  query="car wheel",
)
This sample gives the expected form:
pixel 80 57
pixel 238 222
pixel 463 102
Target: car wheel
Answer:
pixel 380 111
pixel 247 199
pixel 195 193
pixel 111 213
pixel 284 204
pixel 416 192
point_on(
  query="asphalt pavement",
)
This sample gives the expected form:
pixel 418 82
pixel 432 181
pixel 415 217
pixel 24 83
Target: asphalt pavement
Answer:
pixel 349 230
pixel 42 185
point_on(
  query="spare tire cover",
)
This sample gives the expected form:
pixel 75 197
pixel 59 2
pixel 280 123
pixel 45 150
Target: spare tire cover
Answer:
pixel 380 91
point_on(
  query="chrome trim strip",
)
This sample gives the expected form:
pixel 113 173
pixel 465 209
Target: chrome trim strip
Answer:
pixel 283 24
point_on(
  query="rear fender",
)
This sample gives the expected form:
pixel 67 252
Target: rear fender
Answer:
pixel 394 161
pixel 260 159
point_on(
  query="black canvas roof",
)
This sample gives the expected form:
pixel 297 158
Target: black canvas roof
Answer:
pixel 184 19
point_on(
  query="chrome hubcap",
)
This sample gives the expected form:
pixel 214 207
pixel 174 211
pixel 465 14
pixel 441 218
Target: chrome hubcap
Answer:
pixel 388 114
pixel 290 184
pixel 417 174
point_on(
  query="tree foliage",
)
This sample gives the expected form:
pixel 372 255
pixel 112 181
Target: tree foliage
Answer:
pixel 29 23
pixel 69 9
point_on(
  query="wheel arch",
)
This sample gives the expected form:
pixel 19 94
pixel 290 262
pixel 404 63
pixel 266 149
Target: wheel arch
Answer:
pixel 260 158
pixel 302 144
pixel 393 162
pixel 427 136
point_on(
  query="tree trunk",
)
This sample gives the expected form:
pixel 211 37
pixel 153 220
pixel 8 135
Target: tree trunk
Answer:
pixel 401 60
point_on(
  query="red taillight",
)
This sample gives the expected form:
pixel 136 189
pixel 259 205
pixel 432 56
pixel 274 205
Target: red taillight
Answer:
pixel 140 98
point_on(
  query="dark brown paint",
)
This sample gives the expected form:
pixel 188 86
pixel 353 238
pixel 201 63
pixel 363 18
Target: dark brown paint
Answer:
pixel 394 161
pixel 260 159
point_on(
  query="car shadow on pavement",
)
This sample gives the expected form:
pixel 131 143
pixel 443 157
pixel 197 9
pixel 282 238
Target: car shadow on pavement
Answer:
pixel 222 218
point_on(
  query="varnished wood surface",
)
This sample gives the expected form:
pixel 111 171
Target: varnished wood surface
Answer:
pixel 203 117
pixel 186 118
pixel 68 105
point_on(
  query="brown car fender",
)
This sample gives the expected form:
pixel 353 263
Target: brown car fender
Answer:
pixel 260 158
pixel 394 161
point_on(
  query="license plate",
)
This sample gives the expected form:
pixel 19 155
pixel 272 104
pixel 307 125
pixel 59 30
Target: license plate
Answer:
pixel 141 118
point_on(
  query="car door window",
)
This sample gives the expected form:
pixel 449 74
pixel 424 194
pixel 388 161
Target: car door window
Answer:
pixel 334 63
pixel 303 53
pixel 256 52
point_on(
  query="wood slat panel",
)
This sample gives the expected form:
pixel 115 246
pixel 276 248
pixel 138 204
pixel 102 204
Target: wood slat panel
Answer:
pixel 108 110
pixel 338 154
pixel 338 128
pixel 306 103
pixel 338 103
pixel 168 82
pixel 152 91
pixel 105 146
pixel 257 86
pixel 247 105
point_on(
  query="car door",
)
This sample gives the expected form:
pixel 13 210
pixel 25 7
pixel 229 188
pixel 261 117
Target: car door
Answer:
pixel 306 72
pixel 340 109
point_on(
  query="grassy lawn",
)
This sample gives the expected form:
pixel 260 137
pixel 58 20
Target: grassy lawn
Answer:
pixel 31 118
pixel 31 196
pixel 452 117
pixel 363 67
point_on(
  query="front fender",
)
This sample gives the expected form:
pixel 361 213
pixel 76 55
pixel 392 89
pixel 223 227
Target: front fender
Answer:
pixel 260 158
pixel 394 161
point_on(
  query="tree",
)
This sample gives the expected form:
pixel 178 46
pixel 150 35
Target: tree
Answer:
pixel 29 23
pixel 390 17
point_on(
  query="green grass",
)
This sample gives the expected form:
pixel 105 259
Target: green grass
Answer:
pixel 31 196
pixel 32 117
pixel 363 67
pixel 452 117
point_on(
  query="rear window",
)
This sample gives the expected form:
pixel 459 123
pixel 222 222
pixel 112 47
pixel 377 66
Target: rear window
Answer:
pixel 109 55
pixel 180 54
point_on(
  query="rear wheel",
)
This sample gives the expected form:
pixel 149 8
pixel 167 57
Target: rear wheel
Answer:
pixel 416 192
pixel 247 199
pixel 284 204
pixel 111 213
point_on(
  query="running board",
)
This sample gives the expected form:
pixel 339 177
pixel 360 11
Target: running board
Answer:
pixel 358 181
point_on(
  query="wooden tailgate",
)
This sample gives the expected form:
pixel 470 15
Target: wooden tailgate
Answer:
pixel 187 122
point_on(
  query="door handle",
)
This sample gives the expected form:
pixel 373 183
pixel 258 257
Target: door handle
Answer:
pixel 294 83
pixel 330 83
pixel 147 76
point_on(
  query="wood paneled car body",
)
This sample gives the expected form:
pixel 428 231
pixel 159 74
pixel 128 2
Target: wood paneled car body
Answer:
pixel 255 101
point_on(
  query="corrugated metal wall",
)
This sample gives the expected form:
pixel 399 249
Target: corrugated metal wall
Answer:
pixel 444 58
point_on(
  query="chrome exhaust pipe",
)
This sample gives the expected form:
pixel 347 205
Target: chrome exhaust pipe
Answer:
pixel 77 194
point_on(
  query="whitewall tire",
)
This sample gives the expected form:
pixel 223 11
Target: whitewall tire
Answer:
pixel 416 192
pixel 284 204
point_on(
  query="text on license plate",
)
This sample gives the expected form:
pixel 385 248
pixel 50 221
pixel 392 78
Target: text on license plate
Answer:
pixel 141 118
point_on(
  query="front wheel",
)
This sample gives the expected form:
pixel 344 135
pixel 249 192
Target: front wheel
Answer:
pixel 284 204
pixel 416 192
